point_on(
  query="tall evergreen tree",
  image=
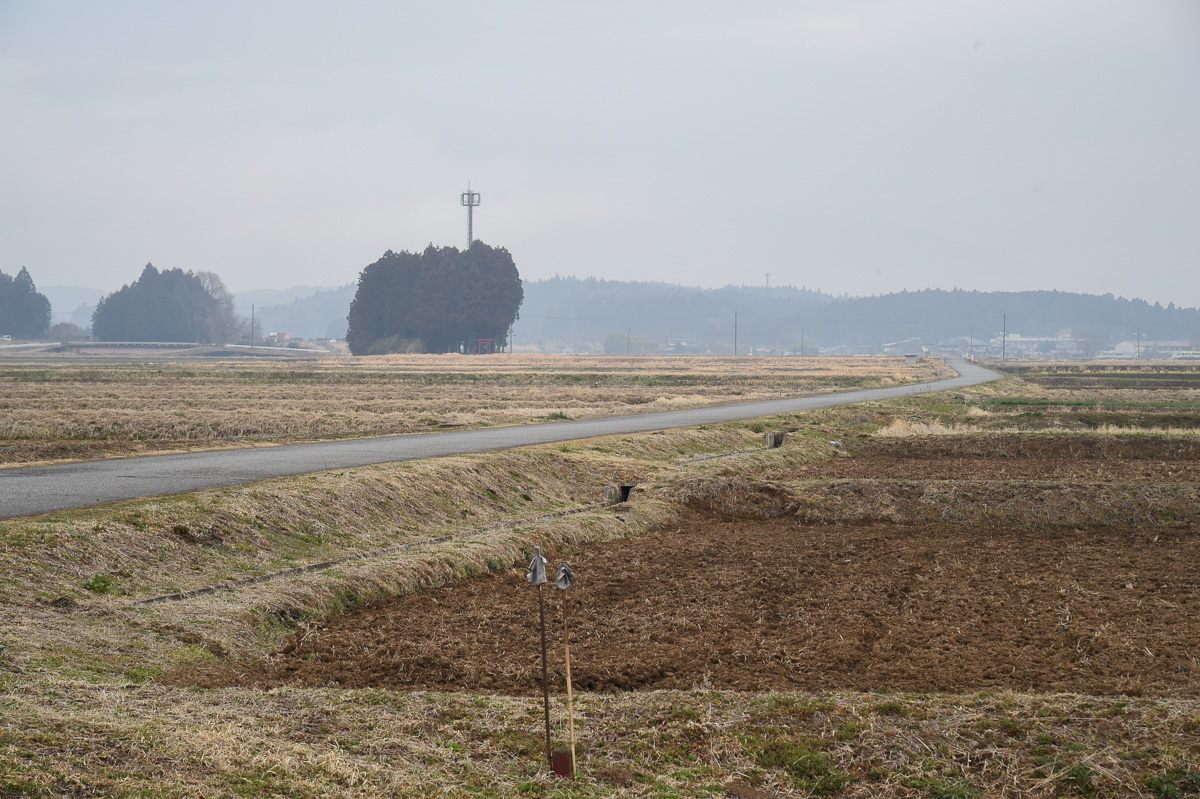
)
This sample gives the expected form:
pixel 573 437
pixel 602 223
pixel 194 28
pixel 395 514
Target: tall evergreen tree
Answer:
pixel 24 311
pixel 171 305
pixel 436 301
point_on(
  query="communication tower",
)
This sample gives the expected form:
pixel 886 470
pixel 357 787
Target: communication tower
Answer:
pixel 470 199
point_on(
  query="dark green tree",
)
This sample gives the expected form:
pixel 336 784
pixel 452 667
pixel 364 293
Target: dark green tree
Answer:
pixel 436 301
pixel 171 305
pixel 24 311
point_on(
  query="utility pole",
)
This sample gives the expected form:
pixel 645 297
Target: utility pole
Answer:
pixel 626 340
pixel 1004 337
pixel 536 576
pixel 971 346
pixel 735 334
pixel 1139 350
pixel 251 326
pixel 801 342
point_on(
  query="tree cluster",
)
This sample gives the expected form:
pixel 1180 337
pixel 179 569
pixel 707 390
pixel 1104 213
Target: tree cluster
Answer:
pixel 67 332
pixel 440 300
pixel 24 312
pixel 171 305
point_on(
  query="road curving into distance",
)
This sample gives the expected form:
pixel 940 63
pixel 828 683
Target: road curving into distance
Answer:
pixel 42 489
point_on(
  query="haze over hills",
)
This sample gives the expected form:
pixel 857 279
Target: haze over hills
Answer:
pixel 569 313
pixel 73 304
pixel 321 314
pixel 272 298
pixel 579 314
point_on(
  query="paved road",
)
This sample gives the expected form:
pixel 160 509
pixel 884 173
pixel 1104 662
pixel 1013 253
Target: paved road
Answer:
pixel 41 489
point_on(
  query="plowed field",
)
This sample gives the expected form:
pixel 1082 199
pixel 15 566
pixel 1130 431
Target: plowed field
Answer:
pixel 1072 457
pixel 967 468
pixel 771 604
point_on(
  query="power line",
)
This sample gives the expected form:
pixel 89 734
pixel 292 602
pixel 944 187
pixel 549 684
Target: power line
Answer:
pixel 627 318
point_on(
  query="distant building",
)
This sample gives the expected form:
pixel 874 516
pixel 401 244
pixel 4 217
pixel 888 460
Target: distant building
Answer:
pixel 1153 348
pixel 681 346
pixel 902 347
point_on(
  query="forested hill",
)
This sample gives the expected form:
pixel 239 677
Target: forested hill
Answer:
pixel 320 315
pixel 573 311
pixel 942 314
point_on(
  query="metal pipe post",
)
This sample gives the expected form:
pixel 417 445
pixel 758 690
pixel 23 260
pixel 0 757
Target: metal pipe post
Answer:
pixel 545 678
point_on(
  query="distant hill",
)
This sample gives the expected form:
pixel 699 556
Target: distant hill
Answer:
pixel 572 311
pixel 577 314
pixel 320 314
pixel 266 298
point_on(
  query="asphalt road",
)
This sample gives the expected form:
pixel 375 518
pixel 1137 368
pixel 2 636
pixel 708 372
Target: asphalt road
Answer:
pixel 42 489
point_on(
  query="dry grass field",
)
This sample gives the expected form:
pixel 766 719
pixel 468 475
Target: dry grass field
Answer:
pixel 1096 396
pixel 990 593
pixel 72 408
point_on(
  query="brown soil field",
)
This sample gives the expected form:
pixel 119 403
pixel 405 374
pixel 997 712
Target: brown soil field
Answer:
pixel 773 605
pixel 917 468
pixel 1025 418
pixel 1106 458
pixel 1040 445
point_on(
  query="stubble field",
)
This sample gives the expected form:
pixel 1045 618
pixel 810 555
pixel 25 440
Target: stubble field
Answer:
pixel 65 409
pixel 985 594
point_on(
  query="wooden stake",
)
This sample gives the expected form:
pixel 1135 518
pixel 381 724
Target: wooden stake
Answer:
pixel 570 703
pixel 545 680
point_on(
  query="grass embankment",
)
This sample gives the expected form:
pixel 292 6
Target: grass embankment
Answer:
pixel 80 711
pixel 100 560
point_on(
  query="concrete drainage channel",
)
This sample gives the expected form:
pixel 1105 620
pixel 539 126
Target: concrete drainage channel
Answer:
pixel 613 495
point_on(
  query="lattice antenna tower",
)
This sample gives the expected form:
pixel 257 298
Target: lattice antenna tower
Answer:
pixel 470 199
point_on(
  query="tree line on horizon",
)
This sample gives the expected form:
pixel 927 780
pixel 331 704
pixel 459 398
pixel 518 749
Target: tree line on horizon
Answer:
pixel 438 300
pixel 622 316
pixel 573 311
pixel 169 305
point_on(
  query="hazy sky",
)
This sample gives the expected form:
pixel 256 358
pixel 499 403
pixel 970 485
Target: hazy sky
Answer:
pixel 857 147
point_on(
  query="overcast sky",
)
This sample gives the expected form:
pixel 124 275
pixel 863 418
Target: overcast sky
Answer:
pixel 853 147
